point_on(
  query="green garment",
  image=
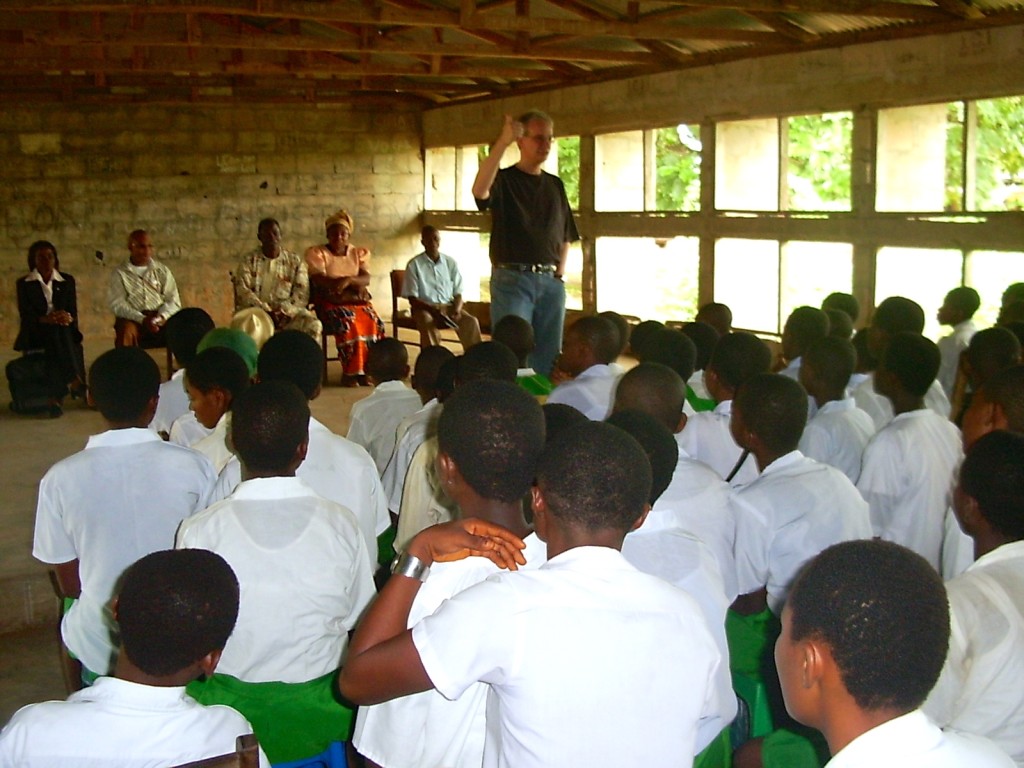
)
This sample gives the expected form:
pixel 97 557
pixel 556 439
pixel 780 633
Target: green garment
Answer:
pixel 537 385
pixel 699 403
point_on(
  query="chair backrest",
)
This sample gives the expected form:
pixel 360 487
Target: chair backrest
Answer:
pixel 397 281
pixel 246 755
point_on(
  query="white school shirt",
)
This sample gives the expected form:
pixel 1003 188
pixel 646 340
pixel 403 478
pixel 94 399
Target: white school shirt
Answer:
pixel 338 470
pixel 373 421
pixel 411 433
pixel 662 548
pixel 589 660
pixel 913 741
pixel 214 446
pixel 950 348
pixel 793 511
pixel 697 500
pixel 186 430
pixel 706 438
pixel 696 383
pixel 979 690
pixel 879 408
pixel 172 404
pixel 906 479
pixel 591 393
pixel 426 729
pixel 837 435
pixel 303 575
pixel 106 506
pixel 119 724
pixel 424 501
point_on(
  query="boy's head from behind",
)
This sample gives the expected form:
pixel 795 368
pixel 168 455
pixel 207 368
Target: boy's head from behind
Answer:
pixel 591 340
pixel 294 357
pixel 908 367
pixel 999 404
pixel 704 338
pixel 387 360
pixel 124 384
pixel 653 389
pixel 987 499
pixel 989 351
pixel 959 305
pixel 214 378
pixel 658 443
pixel 492 434
pixel 270 429
pixel 486 360
pixel 1014 294
pixel 866 361
pixel 717 315
pixel 826 368
pixel 621 326
pixel 176 610
pixel 736 358
pixel 516 334
pixel 839 324
pixel 184 330
pixel 865 628
pixel 592 478
pixel 558 417
pixel 642 336
pixel 427 368
pixel 769 414
pixel 844 302
pixel 674 349
pixel 895 314
pixel 804 326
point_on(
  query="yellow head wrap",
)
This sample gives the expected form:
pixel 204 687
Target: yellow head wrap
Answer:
pixel 341 217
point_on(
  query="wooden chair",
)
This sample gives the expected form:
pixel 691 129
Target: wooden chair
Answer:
pixel 246 755
pixel 325 343
pixel 402 318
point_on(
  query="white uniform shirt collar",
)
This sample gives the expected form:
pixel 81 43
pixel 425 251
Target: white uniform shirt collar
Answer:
pixel 133 695
pixel 589 558
pixel 34 275
pixel 1012 550
pixel 391 386
pixel 781 463
pixel 913 728
pixel 915 414
pixel 724 407
pixel 118 437
pixel 262 488
pixel 838 406
pixel 521 372
pixel 596 371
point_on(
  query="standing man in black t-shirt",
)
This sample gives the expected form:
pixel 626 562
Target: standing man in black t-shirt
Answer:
pixel 532 227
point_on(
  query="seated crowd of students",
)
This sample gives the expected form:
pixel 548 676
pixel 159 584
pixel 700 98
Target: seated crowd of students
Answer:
pixel 632 573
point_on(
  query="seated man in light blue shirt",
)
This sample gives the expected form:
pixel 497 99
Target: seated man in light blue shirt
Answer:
pixel 433 287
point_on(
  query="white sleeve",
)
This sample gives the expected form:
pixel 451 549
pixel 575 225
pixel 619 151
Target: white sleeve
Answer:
pixel 753 541
pixel 879 484
pixel 51 542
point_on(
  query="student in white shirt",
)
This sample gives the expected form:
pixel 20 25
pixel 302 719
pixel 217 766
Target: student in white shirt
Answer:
pixel 213 380
pixel 796 507
pixel 979 690
pixel 864 635
pixel 998 404
pixel 804 327
pixel 894 315
pixel 486 472
pixel 675 350
pixel 704 338
pixel 302 567
pixel 907 470
pixel 706 436
pixel 839 431
pixel 373 421
pixel 517 334
pixel 956 311
pixel 591 344
pixel 622 330
pixel 175 612
pixel 990 351
pixel 184 330
pixel 589 661
pixel 121 498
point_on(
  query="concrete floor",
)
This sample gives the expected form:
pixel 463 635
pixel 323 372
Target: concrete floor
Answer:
pixel 29 667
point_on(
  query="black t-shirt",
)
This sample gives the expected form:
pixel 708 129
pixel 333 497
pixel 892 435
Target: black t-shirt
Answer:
pixel 531 218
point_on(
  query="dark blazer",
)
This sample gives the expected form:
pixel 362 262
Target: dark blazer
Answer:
pixel 32 305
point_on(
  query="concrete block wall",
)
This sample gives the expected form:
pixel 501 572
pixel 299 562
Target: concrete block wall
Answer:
pixel 199 179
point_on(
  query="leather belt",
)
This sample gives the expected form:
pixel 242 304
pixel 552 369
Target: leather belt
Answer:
pixel 516 267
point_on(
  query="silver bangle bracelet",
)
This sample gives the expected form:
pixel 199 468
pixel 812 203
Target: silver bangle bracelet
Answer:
pixel 410 566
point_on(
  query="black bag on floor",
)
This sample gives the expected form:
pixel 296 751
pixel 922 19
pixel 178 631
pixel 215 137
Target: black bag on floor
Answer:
pixel 29 383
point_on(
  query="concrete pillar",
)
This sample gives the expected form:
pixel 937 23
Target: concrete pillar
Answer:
pixel 439 178
pixel 747 165
pixel 911 158
pixel 620 171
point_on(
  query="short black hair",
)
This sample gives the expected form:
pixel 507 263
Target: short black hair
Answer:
pixel 898 314
pixel 494 431
pixel 218 368
pixel 292 356
pixel 993 349
pixel 387 360
pixel 658 443
pixel 1006 389
pixel 487 360
pixel 516 334
pixel 839 324
pixel 596 477
pixel 269 421
pixel 913 360
pixel 993 474
pixel 833 361
pixel 1014 291
pixel 964 299
pixel 184 330
pixel 428 365
pixel 704 337
pixel 559 417
pixel 654 389
pixel 738 356
pixel 717 314
pixel 122 381
pixel 674 349
pixel 844 302
pixel 621 325
pixel 38 246
pixel 1016 328
pixel 866 361
pixel 641 337
pixel 804 326
pixel 599 334
pixel 883 613
pixel 446 376
pixel 175 607
pixel 774 408
pixel 267 222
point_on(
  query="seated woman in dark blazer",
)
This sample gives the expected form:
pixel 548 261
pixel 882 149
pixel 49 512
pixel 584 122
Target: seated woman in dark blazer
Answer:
pixel 48 309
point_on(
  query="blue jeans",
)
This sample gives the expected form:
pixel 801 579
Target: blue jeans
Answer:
pixel 538 297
